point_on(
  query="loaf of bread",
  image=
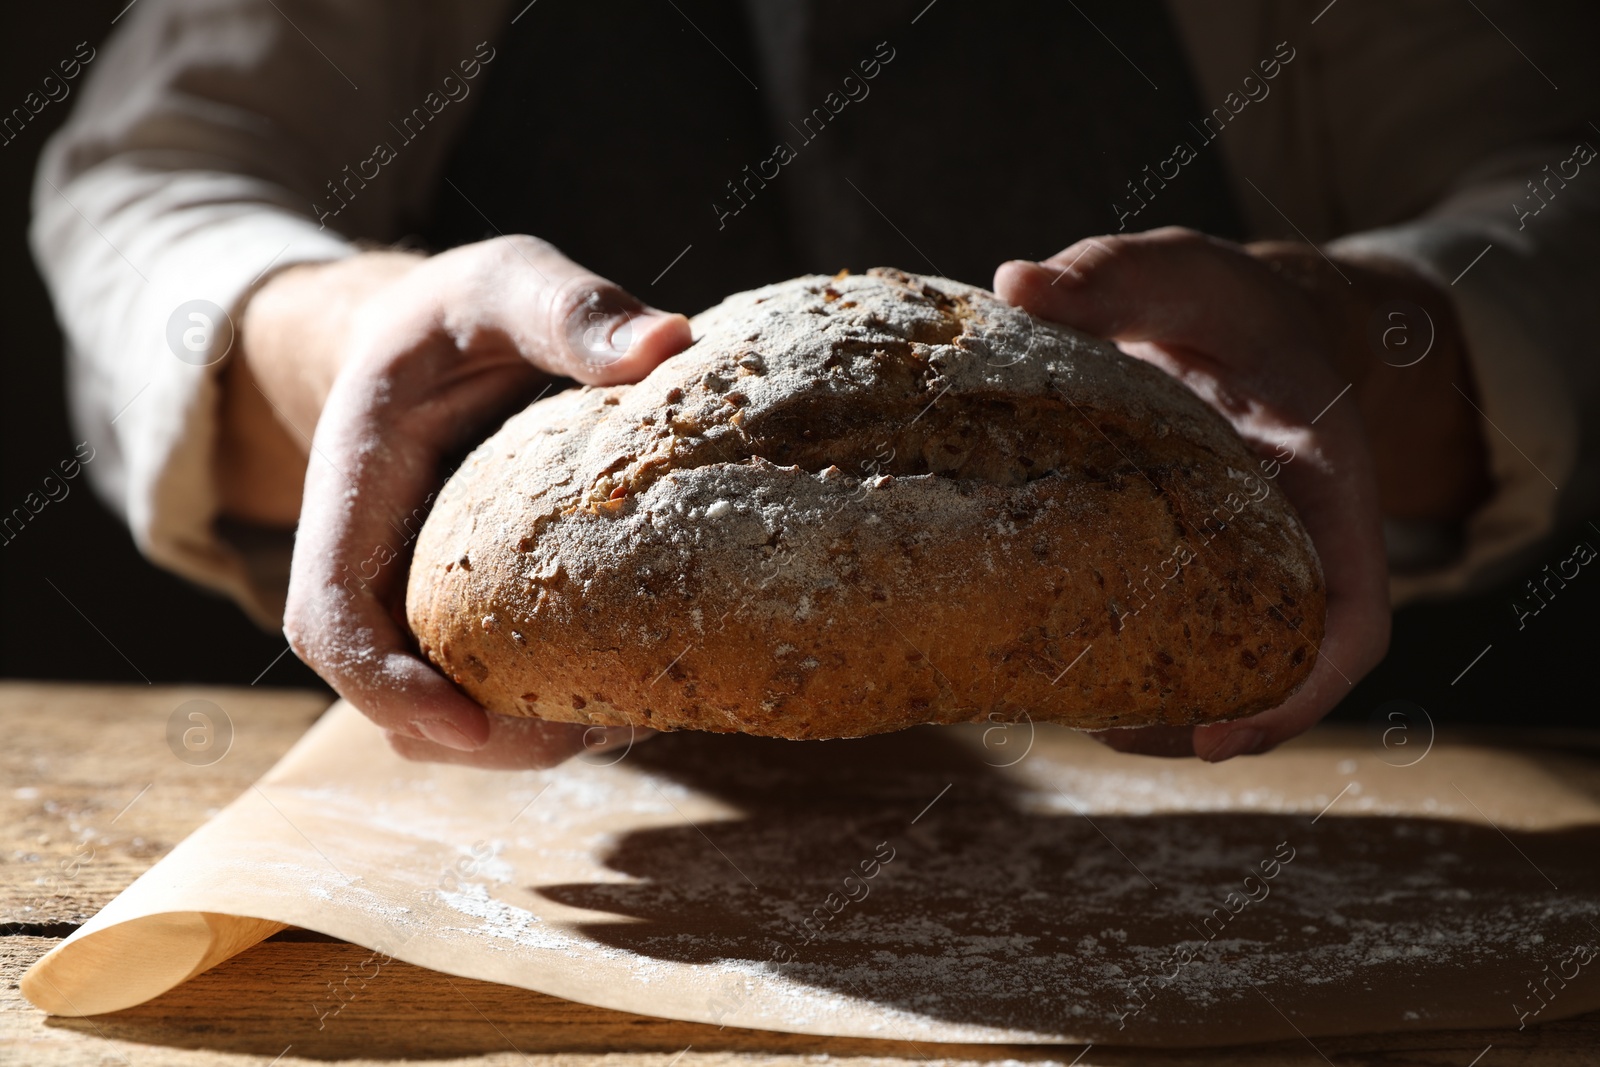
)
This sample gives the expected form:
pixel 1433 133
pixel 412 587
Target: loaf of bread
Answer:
pixel 861 503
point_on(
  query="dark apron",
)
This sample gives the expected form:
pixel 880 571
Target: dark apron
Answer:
pixel 987 132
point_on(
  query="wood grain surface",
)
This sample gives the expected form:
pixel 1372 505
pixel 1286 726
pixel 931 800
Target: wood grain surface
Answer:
pixel 92 793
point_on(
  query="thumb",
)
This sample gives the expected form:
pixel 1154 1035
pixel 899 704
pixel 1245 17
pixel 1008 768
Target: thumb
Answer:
pixel 587 327
pixel 605 335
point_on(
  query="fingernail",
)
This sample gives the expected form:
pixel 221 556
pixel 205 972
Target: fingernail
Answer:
pixel 599 737
pixel 647 323
pixel 602 339
pixel 446 733
pixel 1077 268
pixel 1237 743
pixel 622 330
pixel 1066 277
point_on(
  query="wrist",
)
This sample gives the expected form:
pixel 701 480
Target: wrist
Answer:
pixel 291 344
pixel 1393 335
pixel 294 329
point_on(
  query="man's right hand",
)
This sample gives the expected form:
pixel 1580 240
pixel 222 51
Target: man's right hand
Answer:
pixel 397 361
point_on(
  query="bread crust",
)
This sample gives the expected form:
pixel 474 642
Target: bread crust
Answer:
pixel 861 503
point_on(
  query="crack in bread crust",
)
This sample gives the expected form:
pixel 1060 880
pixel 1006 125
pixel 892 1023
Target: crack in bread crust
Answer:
pixel 860 503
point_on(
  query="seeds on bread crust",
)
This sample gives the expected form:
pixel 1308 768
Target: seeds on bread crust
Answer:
pixel 861 503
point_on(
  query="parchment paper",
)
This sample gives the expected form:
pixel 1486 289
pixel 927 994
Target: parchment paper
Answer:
pixel 1000 884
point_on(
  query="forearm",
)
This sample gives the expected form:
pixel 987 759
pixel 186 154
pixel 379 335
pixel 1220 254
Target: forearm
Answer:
pixel 293 335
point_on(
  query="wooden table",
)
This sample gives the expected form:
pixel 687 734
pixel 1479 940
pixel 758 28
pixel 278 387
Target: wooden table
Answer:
pixel 92 794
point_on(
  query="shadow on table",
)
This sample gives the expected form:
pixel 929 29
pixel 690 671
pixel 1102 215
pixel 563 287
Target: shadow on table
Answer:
pixel 985 905
pixel 1002 908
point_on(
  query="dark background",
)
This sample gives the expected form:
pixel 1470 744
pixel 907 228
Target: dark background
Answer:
pixel 77 602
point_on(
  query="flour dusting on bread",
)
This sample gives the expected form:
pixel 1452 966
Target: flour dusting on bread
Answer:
pixel 862 502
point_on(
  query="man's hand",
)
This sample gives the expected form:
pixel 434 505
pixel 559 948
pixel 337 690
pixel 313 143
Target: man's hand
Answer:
pixel 1271 336
pixel 399 361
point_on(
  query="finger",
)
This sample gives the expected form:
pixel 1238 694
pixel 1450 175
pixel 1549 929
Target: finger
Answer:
pixel 1183 290
pixel 367 484
pixel 560 316
pixel 529 744
pixel 1337 505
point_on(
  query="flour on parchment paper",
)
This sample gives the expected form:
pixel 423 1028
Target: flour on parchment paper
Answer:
pixel 1012 913
pixel 1044 901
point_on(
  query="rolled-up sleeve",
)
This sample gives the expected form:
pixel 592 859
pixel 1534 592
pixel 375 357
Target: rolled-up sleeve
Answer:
pixel 212 145
pixel 1419 132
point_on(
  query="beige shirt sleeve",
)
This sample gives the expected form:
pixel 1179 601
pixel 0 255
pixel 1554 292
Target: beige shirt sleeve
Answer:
pixel 214 137
pixel 1412 129
pixel 216 142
